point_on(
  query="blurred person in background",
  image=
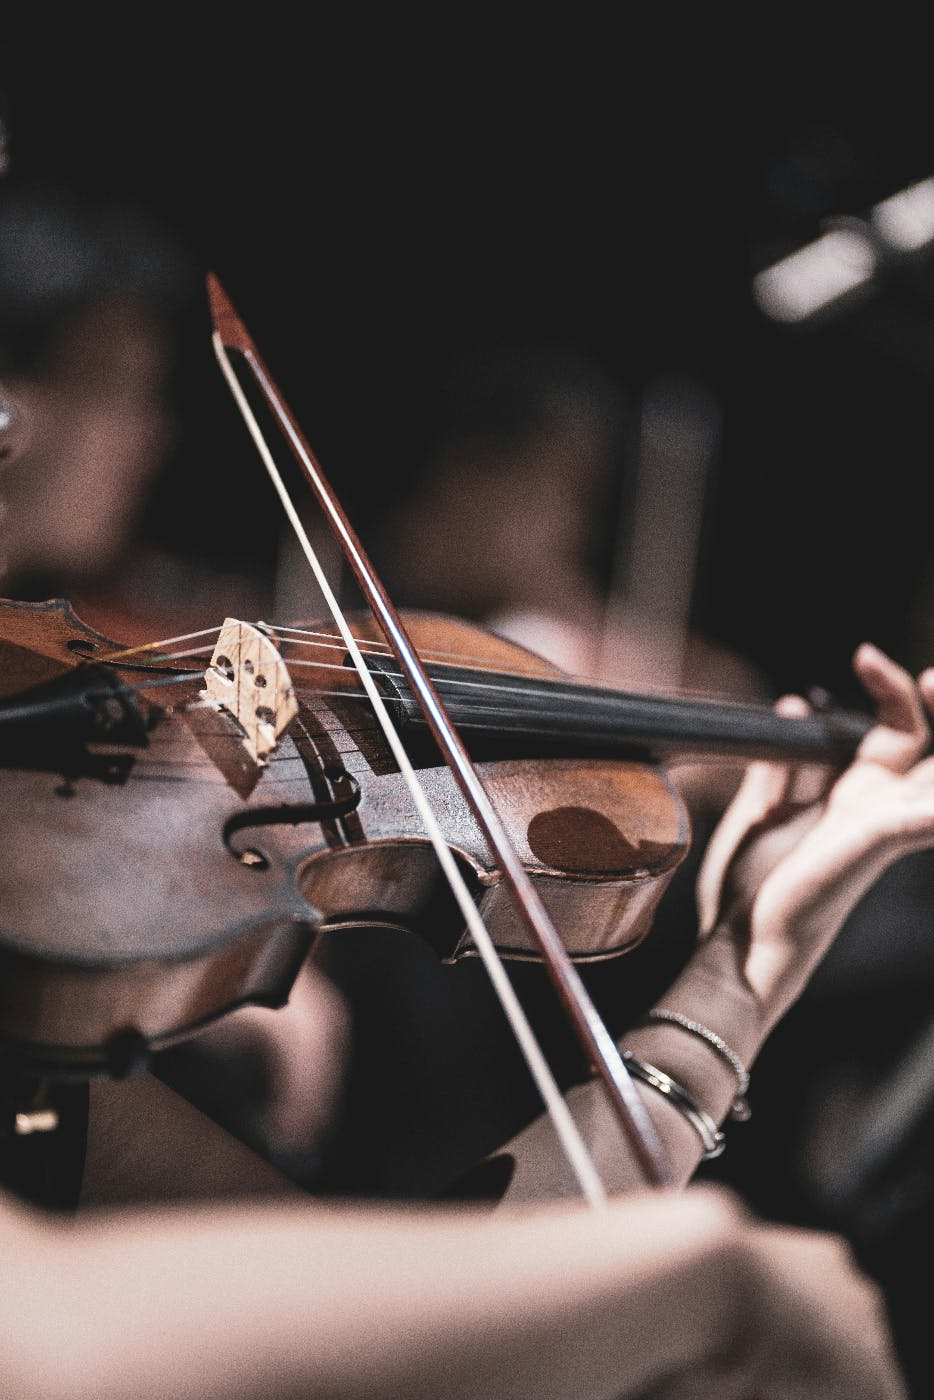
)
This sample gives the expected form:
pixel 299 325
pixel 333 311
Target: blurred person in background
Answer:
pixel 98 297
pixel 100 301
pixel 520 519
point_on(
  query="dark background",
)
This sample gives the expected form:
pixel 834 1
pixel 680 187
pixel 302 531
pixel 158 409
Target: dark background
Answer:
pixel 378 195
pixel 375 199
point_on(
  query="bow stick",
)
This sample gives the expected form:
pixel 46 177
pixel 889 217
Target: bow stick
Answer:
pixel 230 334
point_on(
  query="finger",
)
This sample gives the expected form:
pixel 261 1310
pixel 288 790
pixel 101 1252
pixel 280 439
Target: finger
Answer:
pixel 926 687
pixel 805 783
pixel 760 792
pixel 765 789
pixel 922 775
pixel 901 733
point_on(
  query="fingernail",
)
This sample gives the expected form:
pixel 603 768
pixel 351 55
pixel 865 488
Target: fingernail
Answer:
pixel 791 705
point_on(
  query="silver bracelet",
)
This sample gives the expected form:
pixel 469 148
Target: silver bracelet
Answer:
pixel 702 1123
pixel 740 1110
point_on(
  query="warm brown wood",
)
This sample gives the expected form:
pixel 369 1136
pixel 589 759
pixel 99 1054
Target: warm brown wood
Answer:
pixel 128 922
pixel 601 838
pixel 122 909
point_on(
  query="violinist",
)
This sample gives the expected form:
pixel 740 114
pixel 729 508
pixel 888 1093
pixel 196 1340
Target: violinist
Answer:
pixel 254 1298
pixel 266 1298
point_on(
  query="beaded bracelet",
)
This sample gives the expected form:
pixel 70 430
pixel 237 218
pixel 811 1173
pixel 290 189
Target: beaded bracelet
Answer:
pixel 710 1135
pixel 740 1110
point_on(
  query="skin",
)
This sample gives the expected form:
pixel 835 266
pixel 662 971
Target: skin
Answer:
pixel 793 853
pixel 669 1294
pixel 751 1310
pixel 791 856
pixel 666 1295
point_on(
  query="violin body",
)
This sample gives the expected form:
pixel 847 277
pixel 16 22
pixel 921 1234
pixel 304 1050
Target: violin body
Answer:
pixel 123 920
pixel 600 837
pixel 148 889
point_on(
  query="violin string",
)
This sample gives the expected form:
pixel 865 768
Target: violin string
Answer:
pixel 302 637
pixel 327 640
pixel 569 1135
pixel 502 710
pixel 488 712
pixel 558 688
pixel 467 711
pixel 556 692
pixel 159 646
pixel 555 689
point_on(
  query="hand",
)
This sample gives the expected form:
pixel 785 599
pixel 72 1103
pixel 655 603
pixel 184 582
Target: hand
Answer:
pixel 796 849
pixel 807 1322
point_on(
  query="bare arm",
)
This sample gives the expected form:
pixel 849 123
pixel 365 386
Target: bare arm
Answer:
pixel 147 1144
pixel 790 858
pixel 660 1291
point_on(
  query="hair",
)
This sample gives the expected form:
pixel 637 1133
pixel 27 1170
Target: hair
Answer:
pixel 65 251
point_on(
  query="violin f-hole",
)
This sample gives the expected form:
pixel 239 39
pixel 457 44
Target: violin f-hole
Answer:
pixel 329 809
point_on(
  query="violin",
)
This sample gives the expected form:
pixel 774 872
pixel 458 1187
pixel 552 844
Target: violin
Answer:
pixel 176 835
pixel 156 875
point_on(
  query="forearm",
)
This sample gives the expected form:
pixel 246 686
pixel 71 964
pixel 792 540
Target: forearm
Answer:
pixel 712 989
pixel 148 1145
pixel 737 985
pixel 318 1301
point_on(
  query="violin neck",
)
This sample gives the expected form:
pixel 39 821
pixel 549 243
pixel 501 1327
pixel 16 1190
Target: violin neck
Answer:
pixel 528 714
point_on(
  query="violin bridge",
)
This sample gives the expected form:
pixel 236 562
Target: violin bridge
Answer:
pixel 247 676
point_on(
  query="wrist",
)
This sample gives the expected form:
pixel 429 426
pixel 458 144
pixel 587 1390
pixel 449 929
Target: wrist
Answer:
pixel 760 971
pixel 713 993
pixel 715 988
